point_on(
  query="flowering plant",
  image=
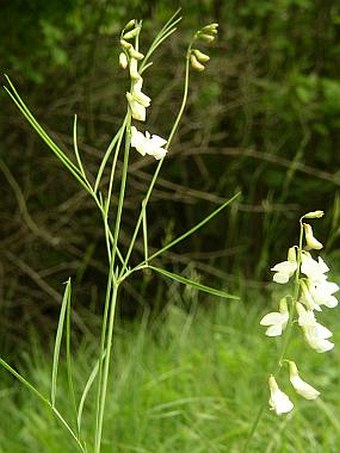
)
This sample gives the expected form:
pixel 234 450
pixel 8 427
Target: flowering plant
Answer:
pixel 119 267
pixel 312 291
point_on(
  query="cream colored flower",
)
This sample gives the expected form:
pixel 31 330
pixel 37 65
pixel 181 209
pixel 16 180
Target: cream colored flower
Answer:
pixel 322 293
pixel 315 333
pixel 138 101
pixel 276 320
pixel 301 387
pixel 279 401
pixel 311 240
pixel 313 269
pixel 285 269
pixel 148 144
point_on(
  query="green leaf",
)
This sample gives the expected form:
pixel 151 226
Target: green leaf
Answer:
pixel 196 285
pixel 56 354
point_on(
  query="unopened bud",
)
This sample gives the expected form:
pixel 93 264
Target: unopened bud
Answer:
pixel 126 45
pixel 196 64
pixel 130 24
pixel 210 29
pixel 313 215
pixel 132 34
pixel 312 242
pixel 135 54
pixel 123 61
pixel 205 37
pixel 134 69
pixel 201 57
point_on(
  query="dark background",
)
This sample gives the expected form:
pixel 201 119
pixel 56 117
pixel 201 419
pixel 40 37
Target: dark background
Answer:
pixel 263 118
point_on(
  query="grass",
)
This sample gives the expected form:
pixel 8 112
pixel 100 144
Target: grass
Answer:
pixel 186 382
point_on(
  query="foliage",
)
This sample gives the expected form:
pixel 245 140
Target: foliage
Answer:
pixel 174 389
pixel 273 113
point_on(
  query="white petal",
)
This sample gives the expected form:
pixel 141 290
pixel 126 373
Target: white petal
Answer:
pixel 273 318
pixel 303 388
pixel 274 330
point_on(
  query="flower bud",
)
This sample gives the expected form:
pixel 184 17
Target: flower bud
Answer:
pixel 126 45
pixel 132 34
pixel 313 215
pixel 130 24
pixel 196 64
pixel 210 29
pixel 205 37
pixel 301 387
pixel 312 242
pixel 201 57
pixel 135 54
pixel 123 61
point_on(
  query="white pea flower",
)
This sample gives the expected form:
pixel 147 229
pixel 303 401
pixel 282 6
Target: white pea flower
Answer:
pixel 148 144
pixel 311 240
pixel 138 101
pixel 276 320
pixel 306 296
pixel 301 387
pixel 315 333
pixel 322 293
pixel 279 401
pixel 285 269
pixel 313 269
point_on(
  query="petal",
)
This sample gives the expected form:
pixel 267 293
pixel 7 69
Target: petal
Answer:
pixel 281 278
pixel 303 388
pixel 274 330
pixel 272 318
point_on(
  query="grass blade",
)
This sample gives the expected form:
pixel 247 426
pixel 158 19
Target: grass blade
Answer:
pixel 58 338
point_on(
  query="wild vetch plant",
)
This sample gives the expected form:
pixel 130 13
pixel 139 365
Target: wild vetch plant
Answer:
pixel 129 136
pixel 297 314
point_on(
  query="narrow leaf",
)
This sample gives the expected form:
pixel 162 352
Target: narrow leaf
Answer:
pixel 58 338
pixel 196 285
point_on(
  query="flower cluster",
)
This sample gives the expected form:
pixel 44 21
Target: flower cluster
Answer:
pixel 137 100
pixel 207 34
pixel 314 291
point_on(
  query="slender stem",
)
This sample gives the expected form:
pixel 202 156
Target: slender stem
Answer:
pixel 106 370
pixel 110 303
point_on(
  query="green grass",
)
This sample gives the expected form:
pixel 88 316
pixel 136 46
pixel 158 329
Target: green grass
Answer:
pixel 183 383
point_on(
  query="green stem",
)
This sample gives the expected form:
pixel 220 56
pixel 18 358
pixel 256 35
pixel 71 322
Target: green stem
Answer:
pixel 106 371
pixel 110 303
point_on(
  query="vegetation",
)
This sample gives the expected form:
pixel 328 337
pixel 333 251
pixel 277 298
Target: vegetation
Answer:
pixel 187 371
pixel 183 382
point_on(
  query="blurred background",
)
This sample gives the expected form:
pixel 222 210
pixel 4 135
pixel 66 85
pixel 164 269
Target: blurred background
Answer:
pixel 262 119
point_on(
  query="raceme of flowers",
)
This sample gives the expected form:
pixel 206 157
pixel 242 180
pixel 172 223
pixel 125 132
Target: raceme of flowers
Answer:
pixel 314 291
pixel 145 144
pixel 129 58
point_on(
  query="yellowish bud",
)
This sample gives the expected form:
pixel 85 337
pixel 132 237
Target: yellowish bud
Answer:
pixel 311 241
pixel 210 29
pixel 205 37
pixel 132 34
pixel 126 45
pixel 130 24
pixel 201 57
pixel 135 54
pixel 313 215
pixel 123 61
pixel 196 64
